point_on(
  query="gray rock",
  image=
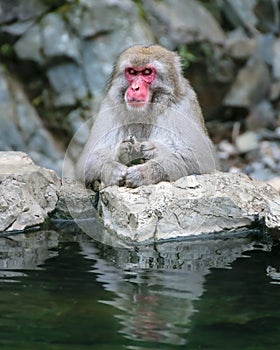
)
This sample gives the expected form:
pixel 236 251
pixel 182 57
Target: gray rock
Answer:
pixel 274 93
pixel 57 40
pixel 47 40
pixel 275 182
pixel 261 116
pixel 80 130
pixel 238 44
pixel 246 142
pixel 17 29
pixel 264 48
pixel 68 84
pixel 23 11
pixel 268 15
pixel 9 134
pixel 180 22
pixel 193 205
pixel 96 17
pixel 276 60
pixel 240 12
pixel 21 128
pixel 28 193
pixel 75 201
pixel 250 86
pixel 29 46
pixel 79 127
pixel 96 74
pixel 226 150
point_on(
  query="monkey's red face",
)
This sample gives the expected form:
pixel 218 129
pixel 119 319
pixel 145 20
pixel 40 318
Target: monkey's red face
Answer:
pixel 139 79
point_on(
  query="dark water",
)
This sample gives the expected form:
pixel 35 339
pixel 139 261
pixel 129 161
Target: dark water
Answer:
pixel 66 291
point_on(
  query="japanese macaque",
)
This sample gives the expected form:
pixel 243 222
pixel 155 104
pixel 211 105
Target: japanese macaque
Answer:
pixel 149 127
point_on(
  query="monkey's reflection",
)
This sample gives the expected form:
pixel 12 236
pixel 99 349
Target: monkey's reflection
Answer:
pixel 155 287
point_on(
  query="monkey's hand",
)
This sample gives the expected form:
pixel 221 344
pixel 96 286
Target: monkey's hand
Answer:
pixel 113 173
pixel 129 152
pixel 148 150
pixel 150 172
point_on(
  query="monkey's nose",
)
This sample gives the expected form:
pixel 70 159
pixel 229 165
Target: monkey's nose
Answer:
pixel 135 87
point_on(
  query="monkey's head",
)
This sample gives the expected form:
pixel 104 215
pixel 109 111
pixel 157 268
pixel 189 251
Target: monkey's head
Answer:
pixel 147 75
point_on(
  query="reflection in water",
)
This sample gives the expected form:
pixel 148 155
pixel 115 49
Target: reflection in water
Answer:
pixel 72 290
pixel 155 287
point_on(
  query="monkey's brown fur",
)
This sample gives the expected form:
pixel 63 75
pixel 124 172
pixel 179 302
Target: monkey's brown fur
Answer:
pixel 169 131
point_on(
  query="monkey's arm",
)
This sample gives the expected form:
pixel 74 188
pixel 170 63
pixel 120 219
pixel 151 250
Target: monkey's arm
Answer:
pixel 165 163
pixel 101 165
pixel 161 165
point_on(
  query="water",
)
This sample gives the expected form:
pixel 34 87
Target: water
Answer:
pixel 66 291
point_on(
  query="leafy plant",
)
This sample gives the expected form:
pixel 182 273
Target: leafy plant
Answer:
pixel 187 56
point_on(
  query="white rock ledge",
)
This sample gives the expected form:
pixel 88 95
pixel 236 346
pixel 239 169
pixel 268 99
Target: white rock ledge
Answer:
pixel 28 193
pixel 193 205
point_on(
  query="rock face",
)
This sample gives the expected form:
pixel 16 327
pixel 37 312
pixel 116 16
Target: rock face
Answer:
pixel 175 23
pixel 75 201
pixel 21 128
pixel 28 193
pixel 193 205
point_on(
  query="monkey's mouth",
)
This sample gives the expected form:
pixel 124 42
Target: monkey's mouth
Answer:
pixel 136 103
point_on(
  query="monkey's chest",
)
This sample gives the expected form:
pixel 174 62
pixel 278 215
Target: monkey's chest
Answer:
pixel 140 131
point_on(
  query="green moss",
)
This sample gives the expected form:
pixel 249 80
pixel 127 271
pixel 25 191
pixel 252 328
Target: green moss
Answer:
pixel 141 12
pixel 7 51
pixel 187 56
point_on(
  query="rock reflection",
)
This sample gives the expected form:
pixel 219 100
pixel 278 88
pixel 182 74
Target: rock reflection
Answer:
pixel 26 250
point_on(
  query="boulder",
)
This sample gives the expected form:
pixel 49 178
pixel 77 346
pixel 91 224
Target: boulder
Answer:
pixel 239 45
pixel 250 86
pixel 276 59
pixel 178 22
pixel 28 193
pixel 240 13
pixel 21 128
pixel 75 202
pixel 68 84
pixel 57 40
pixel 191 206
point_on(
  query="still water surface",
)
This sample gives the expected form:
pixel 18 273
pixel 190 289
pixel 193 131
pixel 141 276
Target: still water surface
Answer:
pixel 66 291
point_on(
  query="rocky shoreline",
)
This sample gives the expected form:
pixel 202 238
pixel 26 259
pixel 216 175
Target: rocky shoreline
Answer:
pixel 196 205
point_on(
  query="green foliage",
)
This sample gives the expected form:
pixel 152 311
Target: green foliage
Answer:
pixel 6 51
pixel 206 50
pixel 187 56
pixel 139 5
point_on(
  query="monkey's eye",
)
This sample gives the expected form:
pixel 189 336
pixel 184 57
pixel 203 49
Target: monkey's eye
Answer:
pixel 131 71
pixel 147 71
